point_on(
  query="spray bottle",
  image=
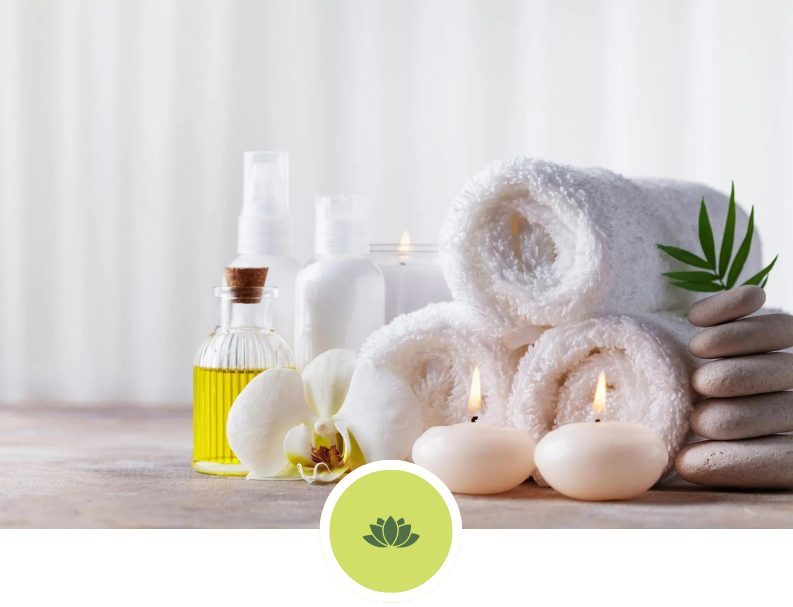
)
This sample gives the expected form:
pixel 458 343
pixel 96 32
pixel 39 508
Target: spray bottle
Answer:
pixel 264 237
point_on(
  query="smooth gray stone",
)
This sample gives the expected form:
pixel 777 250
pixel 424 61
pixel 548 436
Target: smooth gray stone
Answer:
pixel 754 463
pixel 754 335
pixel 745 375
pixel 730 305
pixel 743 416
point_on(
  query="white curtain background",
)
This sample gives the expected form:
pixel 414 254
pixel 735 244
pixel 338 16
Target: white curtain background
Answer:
pixel 122 127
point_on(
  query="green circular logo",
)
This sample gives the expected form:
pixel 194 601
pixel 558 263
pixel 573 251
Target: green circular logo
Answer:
pixel 388 531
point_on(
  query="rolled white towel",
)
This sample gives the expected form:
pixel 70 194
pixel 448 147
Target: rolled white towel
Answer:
pixel 648 370
pixel 435 350
pixel 530 242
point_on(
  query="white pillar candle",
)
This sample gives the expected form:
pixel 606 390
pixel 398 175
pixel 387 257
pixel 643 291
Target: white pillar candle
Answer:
pixel 601 460
pixel 412 276
pixel 476 458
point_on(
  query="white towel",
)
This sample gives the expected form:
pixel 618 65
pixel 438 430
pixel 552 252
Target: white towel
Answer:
pixel 532 242
pixel 435 350
pixel 648 370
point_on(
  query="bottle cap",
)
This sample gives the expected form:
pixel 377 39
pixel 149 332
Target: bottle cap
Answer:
pixel 246 285
pixel 342 225
pixel 265 225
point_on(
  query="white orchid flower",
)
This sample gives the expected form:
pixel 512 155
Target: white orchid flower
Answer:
pixel 334 418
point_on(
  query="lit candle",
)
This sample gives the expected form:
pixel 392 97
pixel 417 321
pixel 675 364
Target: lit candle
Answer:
pixel 476 457
pixel 403 248
pixel 601 460
pixel 412 275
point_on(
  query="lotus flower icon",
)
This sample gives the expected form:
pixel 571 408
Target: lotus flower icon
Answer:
pixel 391 533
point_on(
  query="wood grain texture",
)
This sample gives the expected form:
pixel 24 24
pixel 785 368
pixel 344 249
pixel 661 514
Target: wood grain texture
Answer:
pixel 126 466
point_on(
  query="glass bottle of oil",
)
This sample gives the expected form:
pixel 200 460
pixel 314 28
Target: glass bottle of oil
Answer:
pixel 242 345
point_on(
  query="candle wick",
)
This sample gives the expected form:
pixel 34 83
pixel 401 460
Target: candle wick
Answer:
pixel 474 418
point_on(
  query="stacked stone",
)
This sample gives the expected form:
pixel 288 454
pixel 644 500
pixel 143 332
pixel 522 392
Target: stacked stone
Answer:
pixel 747 405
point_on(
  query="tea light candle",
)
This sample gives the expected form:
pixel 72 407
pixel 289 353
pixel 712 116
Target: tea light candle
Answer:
pixel 412 275
pixel 599 461
pixel 474 457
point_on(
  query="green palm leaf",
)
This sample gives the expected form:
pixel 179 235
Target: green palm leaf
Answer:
pixel 692 276
pixel 758 278
pixel 700 287
pixel 743 253
pixel 726 266
pixel 729 236
pixel 687 257
pixel 706 234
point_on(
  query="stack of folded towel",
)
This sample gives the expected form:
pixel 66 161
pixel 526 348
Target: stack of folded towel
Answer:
pixel 556 276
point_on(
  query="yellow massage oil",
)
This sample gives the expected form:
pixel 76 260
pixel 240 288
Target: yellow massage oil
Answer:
pixel 214 391
pixel 242 346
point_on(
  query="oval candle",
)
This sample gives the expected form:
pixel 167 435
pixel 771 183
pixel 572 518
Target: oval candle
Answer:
pixel 601 460
pixel 476 458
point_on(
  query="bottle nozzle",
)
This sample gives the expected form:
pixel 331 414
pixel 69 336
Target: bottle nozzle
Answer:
pixel 266 191
pixel 265 226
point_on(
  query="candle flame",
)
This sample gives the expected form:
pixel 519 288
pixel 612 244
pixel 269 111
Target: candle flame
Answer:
pixel 404 243
pixel 475 395
pixel 599 405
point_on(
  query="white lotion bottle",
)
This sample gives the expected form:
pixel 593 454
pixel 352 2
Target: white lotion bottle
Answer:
pixel 264 233
pixel 339 293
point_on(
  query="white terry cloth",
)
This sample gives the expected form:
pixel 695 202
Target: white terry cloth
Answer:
pixel 648 370
pixel 435 350
pixel 532 242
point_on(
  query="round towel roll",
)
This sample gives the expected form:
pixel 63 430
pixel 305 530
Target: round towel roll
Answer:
pixel 530 242
pixel 435 350
pixel 647 368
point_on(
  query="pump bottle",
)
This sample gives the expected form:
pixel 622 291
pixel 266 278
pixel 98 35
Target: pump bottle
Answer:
pixel 264 236
pixel 339 293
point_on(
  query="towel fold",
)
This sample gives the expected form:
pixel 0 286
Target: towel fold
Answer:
pixel 648 370
pixel 435 350
pixel 529 242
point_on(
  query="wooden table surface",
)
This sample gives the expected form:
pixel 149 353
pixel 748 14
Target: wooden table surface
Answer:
pixel 129 466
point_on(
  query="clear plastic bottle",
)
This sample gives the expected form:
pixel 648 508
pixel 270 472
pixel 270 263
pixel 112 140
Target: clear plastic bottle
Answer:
pixel 264 232
pixel 339 293
pixel 242 345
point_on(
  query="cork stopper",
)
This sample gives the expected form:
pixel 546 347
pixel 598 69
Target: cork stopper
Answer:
pixel 246 283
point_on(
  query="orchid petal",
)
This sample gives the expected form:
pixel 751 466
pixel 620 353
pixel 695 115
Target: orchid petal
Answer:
pixel 328 475
pixel 345 440
pixel 287 473
pixel 353 458
pixel 271 404
pixel 322 473
pixel 327 380
pixel 382 413
pixel 297 445
pixel 325 426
